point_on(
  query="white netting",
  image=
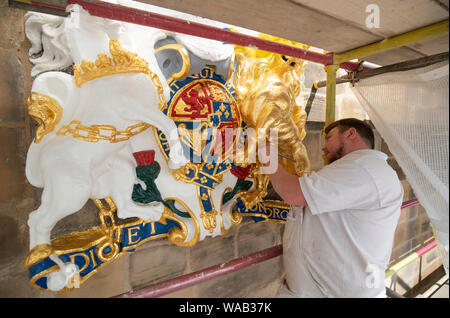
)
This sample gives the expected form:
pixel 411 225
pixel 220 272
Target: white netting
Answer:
pixel 411 112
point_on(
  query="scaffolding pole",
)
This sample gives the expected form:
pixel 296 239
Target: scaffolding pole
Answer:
pixel 331 94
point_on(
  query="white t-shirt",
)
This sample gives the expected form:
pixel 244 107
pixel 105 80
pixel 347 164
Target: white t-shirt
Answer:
pixel 339 245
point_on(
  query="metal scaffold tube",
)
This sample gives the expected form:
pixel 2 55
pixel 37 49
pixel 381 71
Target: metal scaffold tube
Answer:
pixel 331 94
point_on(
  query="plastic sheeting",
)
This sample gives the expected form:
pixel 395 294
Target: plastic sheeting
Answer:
pixel 410 110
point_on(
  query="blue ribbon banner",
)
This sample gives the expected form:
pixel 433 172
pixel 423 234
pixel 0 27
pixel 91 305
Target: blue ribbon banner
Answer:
pixel 125 239
pixel 91 257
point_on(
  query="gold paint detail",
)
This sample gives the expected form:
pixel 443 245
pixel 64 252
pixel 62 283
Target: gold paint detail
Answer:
pixel 38 253
pixel 231 69
pixel 208 217
pixel 236 217
pixel 209 220
pixel 122 61
pixel 95 133
pixel 180 174
pixel 253 197
pixel 46 111
pixel 222 225
pixel 275 205
pixel 190 137
pixel 178 236
pixel 111 240
pixel 184 55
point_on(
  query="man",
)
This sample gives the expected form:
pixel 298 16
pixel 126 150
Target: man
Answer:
pixel 339 234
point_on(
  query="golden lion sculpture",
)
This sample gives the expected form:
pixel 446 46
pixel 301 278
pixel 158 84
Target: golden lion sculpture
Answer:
pixel 267 87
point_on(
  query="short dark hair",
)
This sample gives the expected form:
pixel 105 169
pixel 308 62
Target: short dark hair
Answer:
pixel 363 129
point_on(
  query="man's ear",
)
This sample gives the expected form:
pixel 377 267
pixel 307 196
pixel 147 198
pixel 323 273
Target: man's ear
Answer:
pixel 351 132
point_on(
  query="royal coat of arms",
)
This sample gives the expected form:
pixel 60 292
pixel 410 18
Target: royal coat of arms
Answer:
pixel 149 127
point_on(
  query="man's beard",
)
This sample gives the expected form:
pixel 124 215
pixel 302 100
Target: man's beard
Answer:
pixel 337 155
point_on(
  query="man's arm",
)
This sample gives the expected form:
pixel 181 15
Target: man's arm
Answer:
pixel 288 187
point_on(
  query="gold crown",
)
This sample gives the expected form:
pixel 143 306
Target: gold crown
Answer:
pixel 122 61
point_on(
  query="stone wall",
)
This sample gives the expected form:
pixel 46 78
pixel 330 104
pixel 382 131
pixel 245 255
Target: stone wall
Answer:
pixel 17 197
pixel 158 260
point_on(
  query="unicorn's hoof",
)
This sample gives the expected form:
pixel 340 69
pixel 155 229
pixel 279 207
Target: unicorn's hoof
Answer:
pixel 56 281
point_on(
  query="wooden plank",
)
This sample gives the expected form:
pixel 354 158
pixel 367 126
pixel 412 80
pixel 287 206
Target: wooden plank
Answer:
pixel 404 66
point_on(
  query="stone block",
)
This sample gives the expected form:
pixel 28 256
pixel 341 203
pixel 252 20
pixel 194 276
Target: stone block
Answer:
pixel 111 280
pixel 425 225
pixel 17 286
pixel 12 164
pixel 400 251
pixel 268 291
pixel 412 212
pixel 409 214
pixel 212 251
pixel 243 283
pixel 412 229
pixel 156 261
pixel 11 88
pixel 423 218
pixel 400 234
pixel 427 235
pixel 252 238
pixel 13 244
pixel 81 220
pixel 11 24
pixel 403 217
pixel 431 261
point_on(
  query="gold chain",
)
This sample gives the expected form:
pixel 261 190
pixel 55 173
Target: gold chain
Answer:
pixel 95 133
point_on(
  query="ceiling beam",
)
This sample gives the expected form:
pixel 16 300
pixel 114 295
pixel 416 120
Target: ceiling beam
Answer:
pixel 421 34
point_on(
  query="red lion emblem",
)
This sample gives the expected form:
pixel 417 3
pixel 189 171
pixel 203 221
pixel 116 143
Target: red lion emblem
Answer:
pixel 196 102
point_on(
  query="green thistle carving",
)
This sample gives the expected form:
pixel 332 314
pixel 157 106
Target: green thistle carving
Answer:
pixel 148 175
